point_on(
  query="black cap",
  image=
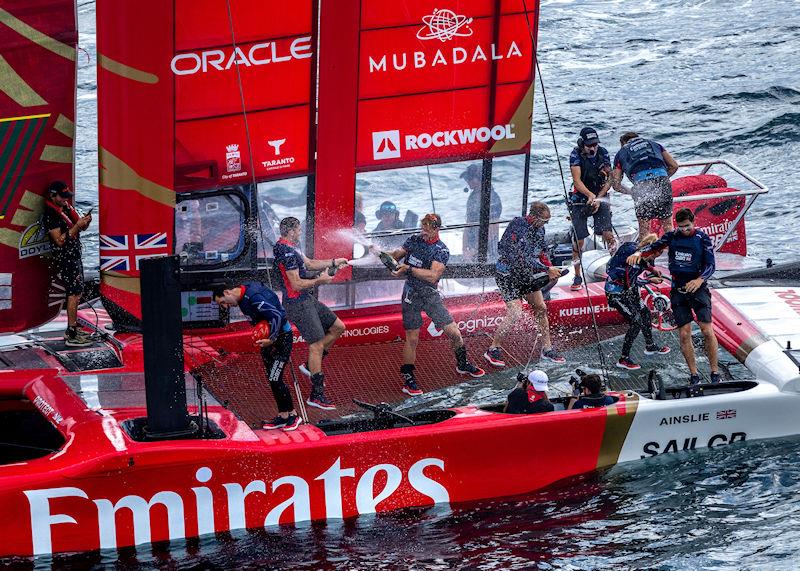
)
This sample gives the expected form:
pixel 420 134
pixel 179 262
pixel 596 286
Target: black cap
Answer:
pixel 60 188
pixel 589 136
pixel 387 207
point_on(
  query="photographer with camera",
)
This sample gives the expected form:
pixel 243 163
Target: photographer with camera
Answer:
pixel 590 165
pixel 591 393
pixel 530 394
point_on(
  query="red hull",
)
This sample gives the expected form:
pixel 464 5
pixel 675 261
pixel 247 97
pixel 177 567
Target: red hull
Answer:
pixel 105 490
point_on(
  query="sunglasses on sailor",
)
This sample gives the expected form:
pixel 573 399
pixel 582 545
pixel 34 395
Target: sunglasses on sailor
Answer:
pixel 591 145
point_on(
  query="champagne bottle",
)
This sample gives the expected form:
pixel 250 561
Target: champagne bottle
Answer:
pixel 332 269
pixel 388 261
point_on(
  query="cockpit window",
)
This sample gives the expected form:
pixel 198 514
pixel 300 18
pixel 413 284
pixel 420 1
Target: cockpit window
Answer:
pixel 209 230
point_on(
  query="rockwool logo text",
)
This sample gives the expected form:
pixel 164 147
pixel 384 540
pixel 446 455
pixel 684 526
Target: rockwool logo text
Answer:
pixel 387 144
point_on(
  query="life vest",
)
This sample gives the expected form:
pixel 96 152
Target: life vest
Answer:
pixel 591 175
pixel 640 154
pixel 71 216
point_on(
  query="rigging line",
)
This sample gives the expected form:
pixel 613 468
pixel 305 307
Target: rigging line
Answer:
pixel 249 142
pixel 566 196
pixel 430 186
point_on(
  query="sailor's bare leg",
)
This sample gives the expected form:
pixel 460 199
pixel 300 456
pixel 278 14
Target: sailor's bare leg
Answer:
pixel 315 357
pixel 536 301
pixel 513 313
pixel 609 239
pixel 711 345
pixel 410 346
pixel 454 335
pixel 576 258
pixel 72 310
pixel 687 349
pixel 333 334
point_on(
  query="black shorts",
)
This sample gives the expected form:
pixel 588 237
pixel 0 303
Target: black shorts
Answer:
pixel 427 299
pixel 68 270
pixel 652 198
pixel 580 214
pixel 516 286
pixel 684 303
pixel 312 318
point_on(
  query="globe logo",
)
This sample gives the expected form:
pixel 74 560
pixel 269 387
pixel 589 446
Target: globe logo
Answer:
pixel 444 25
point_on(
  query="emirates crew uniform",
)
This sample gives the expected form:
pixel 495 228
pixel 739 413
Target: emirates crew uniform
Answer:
pixel 593 176
pixel 643 163
pixel 622 291
pixel 523 263
pixel 312 318
pixel 420 295
pixel 690 257
pixel 259 303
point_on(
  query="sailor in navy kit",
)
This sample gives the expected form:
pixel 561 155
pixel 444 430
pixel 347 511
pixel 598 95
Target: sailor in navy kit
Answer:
pixel 318 325
pixel 622 291
pixel 648 165
pixel 424 259
pixel 691 265
pixel 260 304
pixel 590 166
pixel 522 270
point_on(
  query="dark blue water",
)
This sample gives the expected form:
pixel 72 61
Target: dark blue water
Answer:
pixel 708 79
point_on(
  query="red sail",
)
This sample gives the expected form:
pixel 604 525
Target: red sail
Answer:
pixel 37 130
pixel 417 82
pixel 193 97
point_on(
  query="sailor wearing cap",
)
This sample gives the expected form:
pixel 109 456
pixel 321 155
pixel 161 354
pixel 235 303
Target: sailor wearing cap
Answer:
pixel 590 166
pixel 648 165
pixel 424 258
pixel 473 175
pixel 64 225
pixel 530 394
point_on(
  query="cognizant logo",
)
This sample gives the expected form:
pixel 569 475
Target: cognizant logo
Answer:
pixel 386 144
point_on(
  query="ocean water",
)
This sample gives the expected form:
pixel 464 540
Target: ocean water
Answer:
pixel 708 79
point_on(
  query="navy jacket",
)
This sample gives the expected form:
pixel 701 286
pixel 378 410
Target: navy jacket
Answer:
pixel 259 303
pixel 522 248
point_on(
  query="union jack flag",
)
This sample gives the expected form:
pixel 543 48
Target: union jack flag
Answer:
pixel 725 414
pixel 122 254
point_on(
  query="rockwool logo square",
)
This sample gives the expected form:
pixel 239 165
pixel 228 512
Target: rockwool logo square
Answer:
pixel 386 145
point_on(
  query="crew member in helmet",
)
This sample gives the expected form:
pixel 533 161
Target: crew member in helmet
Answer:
pixel 592 394
pixel 530 395
pixel 389 217
pixel 590 165
pixel 691 265
pixel 260 305
pixel 424 257
pixel 473 176
pixel 648 166
pixel 318 325
pixel 522 271
pixel 622 291
pixel 64 225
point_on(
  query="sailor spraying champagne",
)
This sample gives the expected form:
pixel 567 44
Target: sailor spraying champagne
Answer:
pixel 522 270
pixel 318 325
pixel 691 264
pixel 424 257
